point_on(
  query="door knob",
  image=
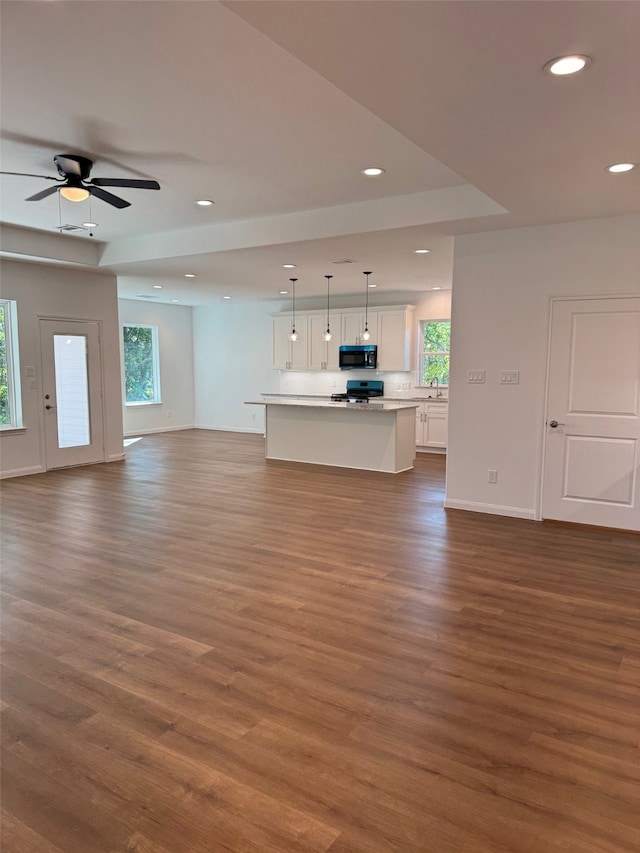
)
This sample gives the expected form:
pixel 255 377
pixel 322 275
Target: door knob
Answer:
pixel 49 407
pixel 554 424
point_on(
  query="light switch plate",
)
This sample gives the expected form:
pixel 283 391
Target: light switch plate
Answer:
pixel 509 377
pixel 475 376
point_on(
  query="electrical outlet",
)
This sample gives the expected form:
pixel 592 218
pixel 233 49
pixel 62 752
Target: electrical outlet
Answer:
pixel 492 476
pixel 475 376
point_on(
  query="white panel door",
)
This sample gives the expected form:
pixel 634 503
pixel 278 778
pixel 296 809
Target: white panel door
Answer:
pixel 72 393
pixel 592 446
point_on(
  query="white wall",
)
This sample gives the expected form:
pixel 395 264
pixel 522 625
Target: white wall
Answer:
pixel 232 362
pixel 502 285
pixel 175 342
pixel 50 291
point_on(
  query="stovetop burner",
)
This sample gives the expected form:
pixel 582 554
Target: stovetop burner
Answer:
pixel 360 391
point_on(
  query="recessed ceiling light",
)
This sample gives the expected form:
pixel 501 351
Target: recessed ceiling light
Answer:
pixel 616 168
pixel 422 251
pixel 158 286
pixel 205 202
pixel 373 285
pixel 89 224
pixel 283 292
pixel 563 65
pixel 289 266
pixel 373 170
pixel 436 288
pixel 189 275
pixel 226 297
pixel 175 300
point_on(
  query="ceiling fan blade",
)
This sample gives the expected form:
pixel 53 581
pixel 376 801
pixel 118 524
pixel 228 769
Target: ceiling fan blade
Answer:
pixel 125 182
pixel 29 175
pixel 42 194
pixel 110 198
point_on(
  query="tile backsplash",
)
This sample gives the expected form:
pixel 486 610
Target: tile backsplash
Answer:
pixel 327 382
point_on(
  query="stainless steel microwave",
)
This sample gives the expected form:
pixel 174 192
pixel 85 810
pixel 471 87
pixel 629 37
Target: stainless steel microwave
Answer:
pixel 358 357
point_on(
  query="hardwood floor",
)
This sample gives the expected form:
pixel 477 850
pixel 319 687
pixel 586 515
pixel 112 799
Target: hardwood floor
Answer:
pixel 203 652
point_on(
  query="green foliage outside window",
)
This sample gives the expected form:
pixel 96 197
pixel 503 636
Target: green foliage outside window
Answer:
pixel 5 413
pixel 140 372
pixel 436 337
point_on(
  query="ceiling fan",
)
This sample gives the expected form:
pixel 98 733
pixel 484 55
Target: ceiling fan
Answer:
pixel 75 183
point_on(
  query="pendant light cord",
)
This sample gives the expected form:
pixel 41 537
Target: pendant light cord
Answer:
pixel 293 305
pixel 366 302
pixel 328 278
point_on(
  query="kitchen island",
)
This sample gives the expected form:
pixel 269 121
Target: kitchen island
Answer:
pixel 378 436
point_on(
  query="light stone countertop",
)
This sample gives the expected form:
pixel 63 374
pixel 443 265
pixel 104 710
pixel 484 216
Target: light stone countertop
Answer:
pixel 323 403
pixel 287 395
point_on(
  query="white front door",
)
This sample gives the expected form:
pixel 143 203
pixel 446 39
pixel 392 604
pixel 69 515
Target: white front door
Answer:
pixel 72 392
pixel 592 442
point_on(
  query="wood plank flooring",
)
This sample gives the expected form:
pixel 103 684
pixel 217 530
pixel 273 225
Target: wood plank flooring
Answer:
pixel 203 651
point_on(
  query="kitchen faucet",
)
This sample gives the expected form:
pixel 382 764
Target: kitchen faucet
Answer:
pixel 437 386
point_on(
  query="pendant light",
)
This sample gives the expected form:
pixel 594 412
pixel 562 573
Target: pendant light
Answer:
pixel 294 335
pixel 327 334
pixel 366 335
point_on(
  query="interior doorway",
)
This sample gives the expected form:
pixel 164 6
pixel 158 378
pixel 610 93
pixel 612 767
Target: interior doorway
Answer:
pixel 72 392
pixel 592 443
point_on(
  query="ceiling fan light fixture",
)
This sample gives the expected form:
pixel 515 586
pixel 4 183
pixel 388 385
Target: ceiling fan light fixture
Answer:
pixel 74 193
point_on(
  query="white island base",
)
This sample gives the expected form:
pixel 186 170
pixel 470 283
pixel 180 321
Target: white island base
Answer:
pixel 372 437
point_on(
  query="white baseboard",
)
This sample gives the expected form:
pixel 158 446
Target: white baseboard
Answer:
pixel 230 429
pixel 116 457
pixel 157 429
pixel 438 450
pixel 22 472
pixel 491 509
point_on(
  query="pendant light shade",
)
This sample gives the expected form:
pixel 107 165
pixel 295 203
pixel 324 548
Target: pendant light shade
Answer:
pixel 327 335
pixel 366 334
pixel 294 335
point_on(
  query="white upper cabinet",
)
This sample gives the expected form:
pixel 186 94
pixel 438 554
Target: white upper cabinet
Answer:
pixel 394 339
pixel 390 328
pixel 323 355
pixel 288 354
pixel 353 324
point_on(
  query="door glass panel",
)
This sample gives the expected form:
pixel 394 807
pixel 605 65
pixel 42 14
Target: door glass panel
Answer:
pixel 72 390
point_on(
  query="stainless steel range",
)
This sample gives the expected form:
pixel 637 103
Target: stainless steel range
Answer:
pixel 360 391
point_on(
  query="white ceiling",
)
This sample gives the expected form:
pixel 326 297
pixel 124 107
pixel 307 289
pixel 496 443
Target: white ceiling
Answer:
pixel 271 109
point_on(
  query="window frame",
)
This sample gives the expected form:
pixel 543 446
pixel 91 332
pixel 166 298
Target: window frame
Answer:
pixel 155 351
pixel 422 352
pixel 12 354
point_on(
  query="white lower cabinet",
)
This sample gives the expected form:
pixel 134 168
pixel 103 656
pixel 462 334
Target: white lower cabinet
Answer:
pixel 431 425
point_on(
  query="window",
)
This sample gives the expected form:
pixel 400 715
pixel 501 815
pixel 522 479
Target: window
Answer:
pixel 10 399
pixel 435 336
pixel 141 370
